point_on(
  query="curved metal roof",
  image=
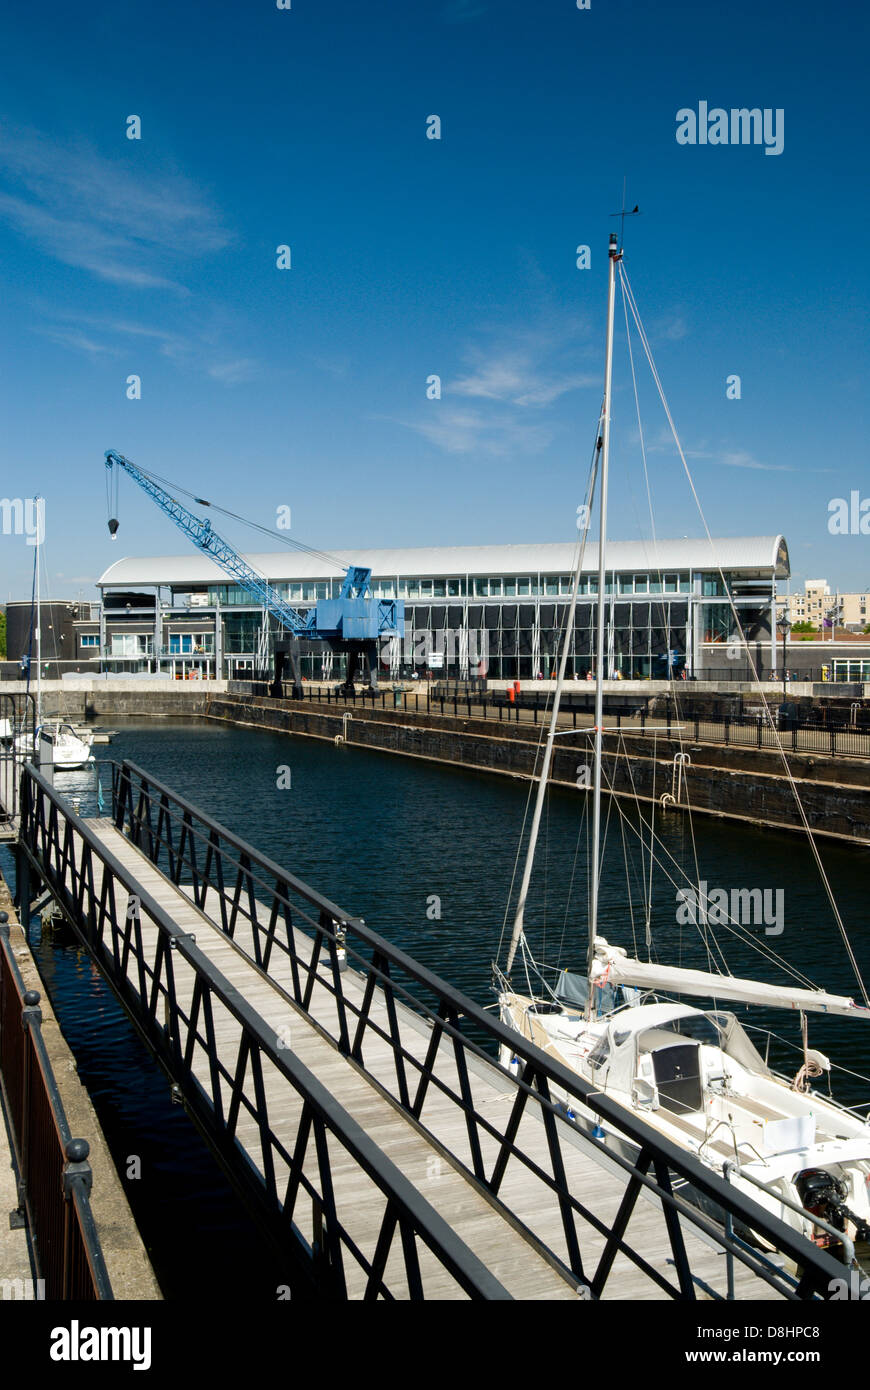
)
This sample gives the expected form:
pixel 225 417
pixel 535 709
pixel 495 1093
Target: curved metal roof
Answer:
pixel 760 555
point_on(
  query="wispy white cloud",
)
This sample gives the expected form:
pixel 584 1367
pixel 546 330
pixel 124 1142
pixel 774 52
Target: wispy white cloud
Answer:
pixel 670 329
pixel 507 377
pixel 231 373
pixel 740 459
pixel 201 346
pixel 337 366
pixel 123 224
pixel 69 337
pixel 514 376
pixel 103 334
pixel 468 431
pixel 663 443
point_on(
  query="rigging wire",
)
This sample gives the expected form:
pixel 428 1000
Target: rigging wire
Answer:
pixel 667 625
pixel 731 925
pixel 584 825
pixel 563 633
pixel 778 742
pixel 290 542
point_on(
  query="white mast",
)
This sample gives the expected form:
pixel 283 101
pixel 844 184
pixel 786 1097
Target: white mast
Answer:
pixel 38 629
pixel 614 256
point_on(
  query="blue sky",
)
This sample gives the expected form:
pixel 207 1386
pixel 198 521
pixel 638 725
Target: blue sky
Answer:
pixel 307 387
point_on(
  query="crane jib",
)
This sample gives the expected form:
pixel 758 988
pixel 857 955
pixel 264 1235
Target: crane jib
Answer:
pixel 356 616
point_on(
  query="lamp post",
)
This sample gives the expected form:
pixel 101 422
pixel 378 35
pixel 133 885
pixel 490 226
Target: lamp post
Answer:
pixel 784 626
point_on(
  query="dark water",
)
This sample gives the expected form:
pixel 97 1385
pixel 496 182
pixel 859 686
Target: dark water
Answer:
pixel 384 837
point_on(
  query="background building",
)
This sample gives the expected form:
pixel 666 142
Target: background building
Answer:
pixel 667 609
pixel 61 621
pixel 817 605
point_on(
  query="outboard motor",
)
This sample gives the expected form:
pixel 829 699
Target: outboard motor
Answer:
pixel 824 1195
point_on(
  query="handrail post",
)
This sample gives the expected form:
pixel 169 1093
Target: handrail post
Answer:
pixel 77 1173
pixel 729 1232
pixel 31 1020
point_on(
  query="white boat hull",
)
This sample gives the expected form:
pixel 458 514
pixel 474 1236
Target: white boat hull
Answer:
pixel 775 1134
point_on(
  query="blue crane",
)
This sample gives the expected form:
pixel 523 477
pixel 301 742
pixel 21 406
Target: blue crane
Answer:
pixel 354 622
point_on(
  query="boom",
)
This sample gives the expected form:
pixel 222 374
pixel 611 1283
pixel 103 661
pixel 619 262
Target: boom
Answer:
pixel 353 620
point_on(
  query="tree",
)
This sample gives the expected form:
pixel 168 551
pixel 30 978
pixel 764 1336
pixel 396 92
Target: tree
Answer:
pixel 803 627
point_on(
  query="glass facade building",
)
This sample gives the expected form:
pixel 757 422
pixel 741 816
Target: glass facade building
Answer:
pixel 469 610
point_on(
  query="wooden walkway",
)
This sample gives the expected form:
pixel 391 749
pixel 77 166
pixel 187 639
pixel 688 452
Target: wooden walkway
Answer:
pixel 511 1258
pixel 511 1235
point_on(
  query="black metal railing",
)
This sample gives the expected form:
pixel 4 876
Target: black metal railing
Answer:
pixel 54 1176
pixel 275 917
pixel 835 731
pixel 17 734
pixel 150 961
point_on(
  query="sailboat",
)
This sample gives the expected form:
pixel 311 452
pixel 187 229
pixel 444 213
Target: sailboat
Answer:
pixel 69 749
pixel 692 1073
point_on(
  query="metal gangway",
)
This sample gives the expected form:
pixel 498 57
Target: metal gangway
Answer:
pixel 355 1098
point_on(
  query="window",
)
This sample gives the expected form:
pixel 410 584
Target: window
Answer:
pixel 523 586
pixel 425 588
pixel 439 588
pixel 308 592
pixel 131 644
pixel 90 639
pixel 600 1053
pixel 454 588
pixel 626 584
pixel 641 583
pixel 566 584
pixel 322 590
pixel 494 588
pixel 671 582
pixel 481 588
pixel 551 584
pixel 510 588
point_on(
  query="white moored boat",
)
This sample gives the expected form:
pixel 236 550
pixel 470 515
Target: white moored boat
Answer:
pixel 69 749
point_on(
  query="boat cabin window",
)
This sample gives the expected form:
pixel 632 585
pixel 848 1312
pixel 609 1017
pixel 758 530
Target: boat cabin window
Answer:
pixel 574 989
pixel 699 1027
pixel 600 1053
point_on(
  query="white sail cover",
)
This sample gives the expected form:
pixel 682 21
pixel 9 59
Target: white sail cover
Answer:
pixel 620 969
